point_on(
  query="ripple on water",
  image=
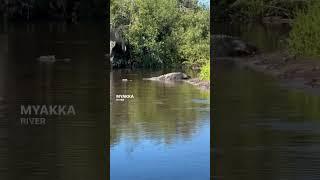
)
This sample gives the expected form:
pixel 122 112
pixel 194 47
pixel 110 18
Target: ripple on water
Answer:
pixel 201 101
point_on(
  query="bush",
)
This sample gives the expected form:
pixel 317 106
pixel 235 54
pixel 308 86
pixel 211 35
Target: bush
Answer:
pixel 255 9
pixel 304 38
pixel 250 8
pixel 194 42
pixel 150 31
pixel 205 72
pixel 120 13
pixel 164 32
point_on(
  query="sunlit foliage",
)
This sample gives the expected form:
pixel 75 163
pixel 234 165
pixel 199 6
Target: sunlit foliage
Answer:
pixel 163 32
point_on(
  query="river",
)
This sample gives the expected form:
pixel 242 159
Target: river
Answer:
pixel 262 129
pixel 66 146
pixel 163 133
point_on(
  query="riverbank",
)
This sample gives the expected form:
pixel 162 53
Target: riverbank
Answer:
pixel 293 71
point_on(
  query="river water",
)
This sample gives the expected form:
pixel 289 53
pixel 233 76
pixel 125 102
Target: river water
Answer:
pixel 163 133
pixel 66 146
pixel 262 129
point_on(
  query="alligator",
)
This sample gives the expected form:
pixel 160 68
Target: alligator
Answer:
pixel 229 46
pixel 174 76
pixel 51 59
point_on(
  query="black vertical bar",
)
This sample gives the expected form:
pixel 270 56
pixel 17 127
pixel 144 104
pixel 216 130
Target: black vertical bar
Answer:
pixel 212 93
pixel 107 62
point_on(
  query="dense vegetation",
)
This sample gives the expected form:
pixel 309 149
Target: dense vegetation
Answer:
pixel 205 72
pixel 161 33
pixel 305 34
pixel 257 9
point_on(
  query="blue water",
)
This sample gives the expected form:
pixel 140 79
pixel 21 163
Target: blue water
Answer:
pixel 161 134
pixel 147 160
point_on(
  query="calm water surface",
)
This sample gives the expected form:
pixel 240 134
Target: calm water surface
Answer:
pixel 161 134
pixel 263 130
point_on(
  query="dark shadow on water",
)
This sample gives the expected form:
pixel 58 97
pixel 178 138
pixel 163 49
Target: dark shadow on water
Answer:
pixel 263 130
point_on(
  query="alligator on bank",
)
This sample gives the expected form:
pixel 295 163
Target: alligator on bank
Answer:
pixel 174 76
pixel 222 46
pixel 178 77
pixel 52 59
pixel 229 46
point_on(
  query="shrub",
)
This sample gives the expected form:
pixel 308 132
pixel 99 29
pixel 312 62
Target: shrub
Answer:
pixel 255 9
pixel 205 72
pixel 304 38
pixel 164 32
pixel 150 31
pixel 194 43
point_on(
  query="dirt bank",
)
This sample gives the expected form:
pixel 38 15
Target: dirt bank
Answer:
pixel 294 71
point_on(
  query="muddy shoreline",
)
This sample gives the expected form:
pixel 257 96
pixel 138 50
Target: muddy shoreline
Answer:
pixel 292 71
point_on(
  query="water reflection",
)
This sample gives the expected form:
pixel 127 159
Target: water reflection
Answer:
pixel 263 130
pixel 163 133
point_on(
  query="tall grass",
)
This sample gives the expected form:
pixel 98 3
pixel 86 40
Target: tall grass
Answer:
pixel 255 9
pixel 304 37
pixel 250 8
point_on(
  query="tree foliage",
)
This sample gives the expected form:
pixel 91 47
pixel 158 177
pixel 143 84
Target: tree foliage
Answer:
pixel 205 72
pixel 163 32
pixel 194 43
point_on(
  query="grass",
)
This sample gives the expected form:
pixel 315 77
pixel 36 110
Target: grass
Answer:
pixel 256 9
pixel 304 38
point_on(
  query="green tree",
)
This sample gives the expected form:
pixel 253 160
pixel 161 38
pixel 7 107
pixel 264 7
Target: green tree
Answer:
pixel 150 31
pixel 164 32
pixel 121 12
pixel 193 32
